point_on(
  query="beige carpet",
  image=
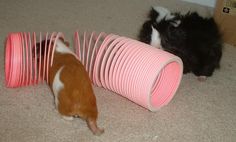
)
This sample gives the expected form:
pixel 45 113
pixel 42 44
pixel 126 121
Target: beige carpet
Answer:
pixel 199 112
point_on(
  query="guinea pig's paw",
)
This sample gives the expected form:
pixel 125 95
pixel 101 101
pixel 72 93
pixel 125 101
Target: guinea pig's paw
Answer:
pixel 201 78
pixel 67 118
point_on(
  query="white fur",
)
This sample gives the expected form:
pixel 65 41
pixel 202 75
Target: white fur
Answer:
pixel 163 13
pixel 176 23
pixel 155 38
pixel 169 17
pixel 62 48
pixel 57 85
pixel 68 118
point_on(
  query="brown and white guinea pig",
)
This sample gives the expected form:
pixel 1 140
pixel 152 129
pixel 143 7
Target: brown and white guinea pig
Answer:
pixel 71 86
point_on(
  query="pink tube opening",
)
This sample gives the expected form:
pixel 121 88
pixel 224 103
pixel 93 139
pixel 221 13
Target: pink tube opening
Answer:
pixel 166 85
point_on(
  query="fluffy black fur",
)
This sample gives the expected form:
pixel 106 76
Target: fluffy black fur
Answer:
pixel 196 40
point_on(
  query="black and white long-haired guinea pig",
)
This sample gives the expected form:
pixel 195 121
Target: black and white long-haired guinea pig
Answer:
pixel 195 39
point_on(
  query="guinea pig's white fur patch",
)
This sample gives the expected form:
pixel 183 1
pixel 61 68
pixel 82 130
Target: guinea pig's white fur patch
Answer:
pixel 155 38
pixel 57 85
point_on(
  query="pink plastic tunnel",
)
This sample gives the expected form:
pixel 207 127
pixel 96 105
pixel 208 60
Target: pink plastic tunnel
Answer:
pixel 139 72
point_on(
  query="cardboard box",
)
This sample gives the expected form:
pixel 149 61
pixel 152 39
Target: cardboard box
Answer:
pixel 225 16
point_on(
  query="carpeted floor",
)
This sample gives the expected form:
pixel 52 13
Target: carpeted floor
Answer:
pixel 199 112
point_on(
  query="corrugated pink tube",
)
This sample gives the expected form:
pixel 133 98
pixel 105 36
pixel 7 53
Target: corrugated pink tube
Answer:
pixel 145 75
